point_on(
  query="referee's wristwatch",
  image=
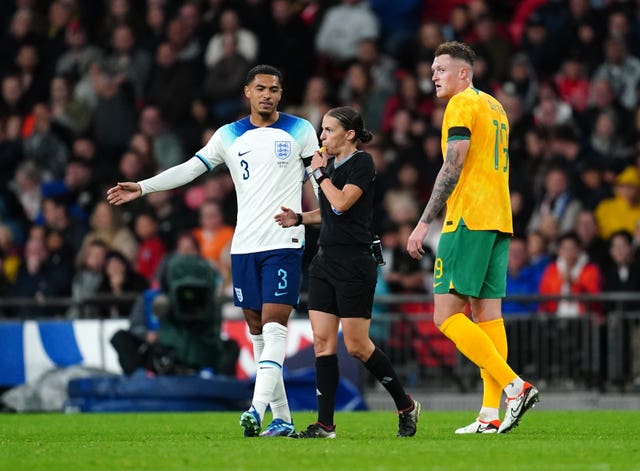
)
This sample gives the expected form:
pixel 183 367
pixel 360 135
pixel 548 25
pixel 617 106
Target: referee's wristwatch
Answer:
pixel 320 174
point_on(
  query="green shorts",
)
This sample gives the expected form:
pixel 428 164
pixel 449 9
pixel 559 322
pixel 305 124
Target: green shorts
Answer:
pixel 472 263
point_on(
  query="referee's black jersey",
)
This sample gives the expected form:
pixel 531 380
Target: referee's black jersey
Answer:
pixel 353 227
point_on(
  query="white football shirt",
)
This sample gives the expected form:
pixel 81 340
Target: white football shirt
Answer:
pixel 268 172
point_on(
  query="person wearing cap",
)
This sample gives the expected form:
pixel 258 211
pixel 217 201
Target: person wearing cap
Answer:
pixel 622 211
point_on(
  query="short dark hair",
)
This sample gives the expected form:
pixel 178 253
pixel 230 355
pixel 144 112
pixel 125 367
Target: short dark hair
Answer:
pixel 350 119
pixel 457 50
pixel 626 235
pixel 571 235
pixel 263 69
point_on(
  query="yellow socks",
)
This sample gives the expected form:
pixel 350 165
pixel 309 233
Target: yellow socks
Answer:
pixel 492 390
pixel 477 347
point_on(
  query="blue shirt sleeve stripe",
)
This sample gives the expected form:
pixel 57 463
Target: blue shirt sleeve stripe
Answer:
pixel 205 162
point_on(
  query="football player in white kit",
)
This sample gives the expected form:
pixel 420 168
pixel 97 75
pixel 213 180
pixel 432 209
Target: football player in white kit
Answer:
pixel 266 153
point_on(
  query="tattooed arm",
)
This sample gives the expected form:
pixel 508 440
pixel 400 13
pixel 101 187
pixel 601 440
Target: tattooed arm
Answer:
pixel 446 181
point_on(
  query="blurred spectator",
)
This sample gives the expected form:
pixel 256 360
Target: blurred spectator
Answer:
pixel 142 145
pixel 408 96
pixel 483 78
pixel 622 211
pixel 128 60
pixel 151 249
pixel 56 216
pixel 285 43
pixel 190 14
pixel 172 83
pixel 522 278
pixel 565 144
pixel 33 77
pixel 181 39
pixel 430 35
pixel 538 252
pixel 172 215
pixel 199 121
pixel 119 278
pixel 381 67
pixel 114 114
pixel 606 141
pixel 44 146
pixel 524 79
pixel 213 235
pixel 119 12
pixel 587 231
pixel 12 101
pixel 246 40
pixel 550 110
pixel 133 167
pixel 622 273
pixel 402 273
pixel 619 25
pixel 87 279
pixel 10 148
pixel 621 70
pixel 21 30
pixel 570 273
pixel 60 259
pixel 26 187
pixel 153 30
pixel 80 184
pixel 167 149
pixel 590 187
pixel 459 25
pixel 520 121
pixel 496 47
pixel 225 79
pixel 359 90
pixel 573 84
pixel 315 102
pixel 80 53
pixel 342 28
pixel 71 114
pixel 538 44
pixel 602 99
pixel 558 209
pixel 106 225
pixel 35 280
pixel 586 44
pixel 10 256
pixel 398 25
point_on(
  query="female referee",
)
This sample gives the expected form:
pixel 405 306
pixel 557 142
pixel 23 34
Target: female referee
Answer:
pixel 342 275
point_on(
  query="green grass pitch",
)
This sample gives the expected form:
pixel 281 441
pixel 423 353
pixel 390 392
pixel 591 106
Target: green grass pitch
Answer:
pixel 546 440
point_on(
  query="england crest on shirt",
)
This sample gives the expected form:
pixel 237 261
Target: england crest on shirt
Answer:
pixel 283 149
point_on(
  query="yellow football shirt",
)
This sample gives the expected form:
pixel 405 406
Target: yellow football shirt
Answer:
pixel 481 199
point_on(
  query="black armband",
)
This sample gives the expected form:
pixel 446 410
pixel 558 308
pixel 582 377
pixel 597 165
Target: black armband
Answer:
pixel 299 219
pixel 319 174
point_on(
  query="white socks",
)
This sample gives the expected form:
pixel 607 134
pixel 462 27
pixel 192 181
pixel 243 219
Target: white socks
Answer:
pixel 488 414
pixel 269 351
pixel 514 387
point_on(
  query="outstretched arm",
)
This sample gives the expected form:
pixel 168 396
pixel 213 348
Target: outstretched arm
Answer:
pixel 173 177
pixel 446 181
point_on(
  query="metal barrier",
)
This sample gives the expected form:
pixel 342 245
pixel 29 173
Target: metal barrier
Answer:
pixel 599 350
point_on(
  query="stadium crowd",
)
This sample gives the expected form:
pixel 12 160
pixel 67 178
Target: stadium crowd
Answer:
pixel 115 90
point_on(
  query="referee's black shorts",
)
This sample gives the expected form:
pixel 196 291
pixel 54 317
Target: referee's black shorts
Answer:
pixel 342 281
